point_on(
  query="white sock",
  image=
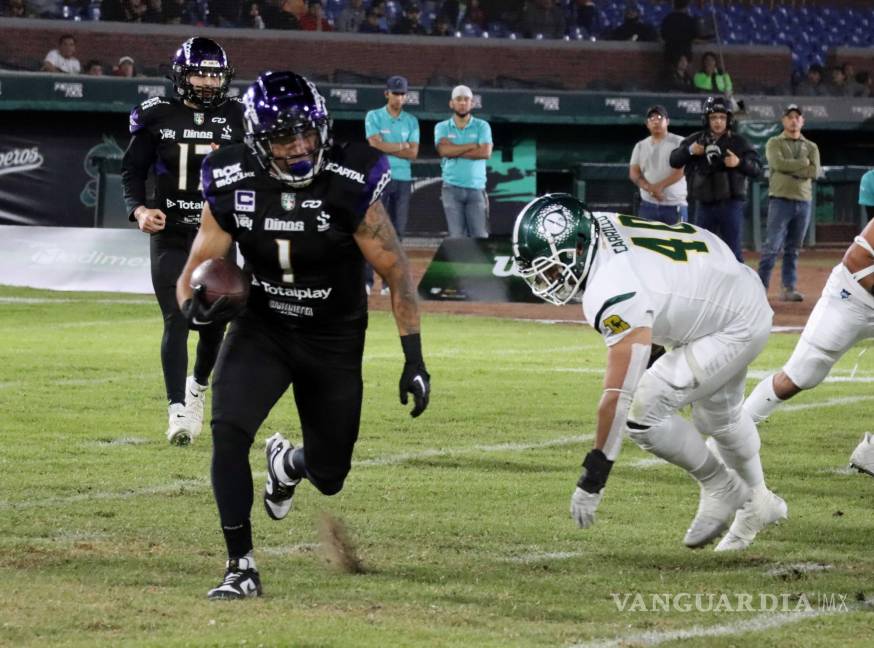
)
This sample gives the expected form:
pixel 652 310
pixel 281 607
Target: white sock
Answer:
pixel 762 401
pixel 739 449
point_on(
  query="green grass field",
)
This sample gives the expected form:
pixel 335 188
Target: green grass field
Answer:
pixel 110 536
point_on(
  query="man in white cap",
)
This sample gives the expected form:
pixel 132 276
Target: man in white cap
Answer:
pixel 464 143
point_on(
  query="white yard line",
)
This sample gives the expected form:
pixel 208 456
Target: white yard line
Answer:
pixel 760 623
pixel 197 484
pixel 446 452
pixel 541 556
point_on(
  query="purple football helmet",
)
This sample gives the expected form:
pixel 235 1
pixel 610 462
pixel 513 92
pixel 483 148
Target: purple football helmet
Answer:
pixel 202 57
pixel 282 105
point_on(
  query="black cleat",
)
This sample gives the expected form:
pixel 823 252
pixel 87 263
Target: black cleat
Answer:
pixel 241 581
pixel 278 496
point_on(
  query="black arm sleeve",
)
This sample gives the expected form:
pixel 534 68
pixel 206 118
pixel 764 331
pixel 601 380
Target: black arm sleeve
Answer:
pixel 680 156
pixel 138 158
pixel 750 163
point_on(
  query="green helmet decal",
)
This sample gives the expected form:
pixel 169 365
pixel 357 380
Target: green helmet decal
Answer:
pixel 554 240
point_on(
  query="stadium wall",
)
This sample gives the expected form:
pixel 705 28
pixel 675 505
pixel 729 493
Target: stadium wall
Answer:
pixel 572 64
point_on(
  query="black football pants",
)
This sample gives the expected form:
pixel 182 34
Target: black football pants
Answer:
pixel 257 363
pixel 169 252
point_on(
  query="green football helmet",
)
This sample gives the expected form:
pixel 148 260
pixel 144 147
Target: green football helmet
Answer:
pixel 554 241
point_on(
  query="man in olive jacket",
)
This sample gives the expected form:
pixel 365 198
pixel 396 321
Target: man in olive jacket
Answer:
pixel 794 163
pixel 718 163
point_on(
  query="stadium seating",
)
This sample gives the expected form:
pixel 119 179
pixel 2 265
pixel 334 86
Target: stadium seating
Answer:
pixel 809 31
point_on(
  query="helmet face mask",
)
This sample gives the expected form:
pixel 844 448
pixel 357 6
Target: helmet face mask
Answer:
pixel 199 59
pixel 554 241
pixel 287 127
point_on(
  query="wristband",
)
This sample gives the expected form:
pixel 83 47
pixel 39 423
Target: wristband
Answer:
pixel 597 467
pixel 412 346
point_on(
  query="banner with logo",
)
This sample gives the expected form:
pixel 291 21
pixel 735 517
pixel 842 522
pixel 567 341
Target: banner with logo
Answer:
pixel 474 270
pixel 49 169
pixel 62 258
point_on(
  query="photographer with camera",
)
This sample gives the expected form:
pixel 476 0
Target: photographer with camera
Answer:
pixel 718 163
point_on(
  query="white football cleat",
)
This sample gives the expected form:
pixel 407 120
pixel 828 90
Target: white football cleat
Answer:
pixel 763 509
pixel 715 510
pixel 178 430
pixel 195 394
pixel 862 458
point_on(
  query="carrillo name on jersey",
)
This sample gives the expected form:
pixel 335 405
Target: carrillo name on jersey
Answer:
pixel 611 234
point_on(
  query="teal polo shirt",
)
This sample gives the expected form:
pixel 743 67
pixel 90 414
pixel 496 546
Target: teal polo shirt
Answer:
pixel 470 174
pixel 393 130
pixel 866 190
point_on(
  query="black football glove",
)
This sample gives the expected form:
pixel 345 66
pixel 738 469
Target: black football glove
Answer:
pixel 415 379
pixel 200 316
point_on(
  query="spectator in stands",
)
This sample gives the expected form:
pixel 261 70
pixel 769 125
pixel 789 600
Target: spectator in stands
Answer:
pixel 352 16
pixel 543 19
pixel 154 12
pixel 285 18
pixel 460 12
pixel 313 20
pixel 112 11
pixel 866 193
pixel 125 67
pixel 855 88
pixel 584 14
pixel 173 11
pixel 718 164
pixel 662 187
pixel 678 78
pixel 679 30
pixel 252 17
pixel 134 10
pixel 410 22
pixel 633 28
pixel 63 59
pixel 43 8
pixel 15 9
pixel 441 27
pixel 394 132
pixel 838 86
pixel 94 68
pixel 711 79
pixel 224 13
pixel 372 22
pixel 510 12
pixel 794 163
pixel 464 143
pixel 863 78
pixel 812 85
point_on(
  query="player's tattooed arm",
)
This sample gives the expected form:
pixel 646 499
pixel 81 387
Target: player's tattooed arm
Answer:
pixel 378 241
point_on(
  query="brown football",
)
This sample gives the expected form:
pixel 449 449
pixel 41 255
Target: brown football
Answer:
pixel 221 278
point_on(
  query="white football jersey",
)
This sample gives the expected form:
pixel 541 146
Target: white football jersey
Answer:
pixel 681 280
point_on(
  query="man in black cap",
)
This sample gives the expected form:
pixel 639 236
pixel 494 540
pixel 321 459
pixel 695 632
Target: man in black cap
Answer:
pixel 794 163
pixel 395 132
pixel 633 28
pixel 662 188
pixel 410 22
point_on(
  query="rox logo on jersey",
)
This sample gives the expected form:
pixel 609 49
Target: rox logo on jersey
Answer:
pixel 186 205
pixel 230 174
pixel 295 293
pixel 345 172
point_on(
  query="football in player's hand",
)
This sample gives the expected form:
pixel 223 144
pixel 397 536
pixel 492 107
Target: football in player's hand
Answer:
pixel 221 278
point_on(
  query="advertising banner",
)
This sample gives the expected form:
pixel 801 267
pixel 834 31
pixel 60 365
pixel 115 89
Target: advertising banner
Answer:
pixel 474 270
pixel 67 258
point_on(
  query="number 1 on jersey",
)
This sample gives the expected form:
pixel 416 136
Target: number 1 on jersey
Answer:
pixel 284 246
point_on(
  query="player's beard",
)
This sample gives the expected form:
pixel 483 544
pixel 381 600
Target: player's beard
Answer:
pixel 461 115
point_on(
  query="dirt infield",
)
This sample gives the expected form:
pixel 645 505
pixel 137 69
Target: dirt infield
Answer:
pixel 813 270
